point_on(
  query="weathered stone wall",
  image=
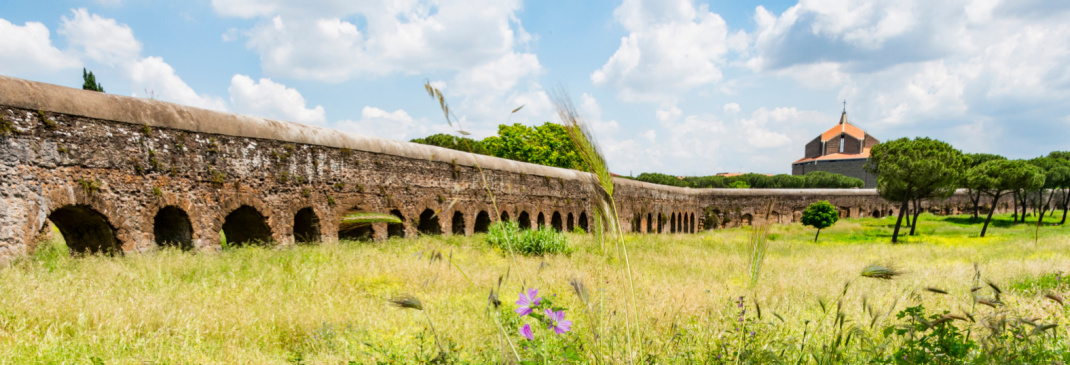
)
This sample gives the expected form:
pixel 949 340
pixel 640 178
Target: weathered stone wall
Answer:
pixel 121 174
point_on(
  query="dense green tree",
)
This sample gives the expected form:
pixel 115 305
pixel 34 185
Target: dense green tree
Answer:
pixel 1056 178
pixel 547 144
pixel 453 142
pixel 89 81
pixel 975 159
pixel 785 181
pixel 1064 199
pixel 828 180
pixel 997 177
pixel 663 179
pixel 913 170
pixel 820 215
pixel 739 184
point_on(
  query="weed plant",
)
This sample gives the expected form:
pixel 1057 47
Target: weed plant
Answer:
pixel 527 242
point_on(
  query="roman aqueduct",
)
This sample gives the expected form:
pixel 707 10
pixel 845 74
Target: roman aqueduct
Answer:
pixel 122 174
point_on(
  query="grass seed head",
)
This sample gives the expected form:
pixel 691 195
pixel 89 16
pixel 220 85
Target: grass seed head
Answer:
pixel 1056 298
pixel 880 272
pixel 407 302
pixel 936 290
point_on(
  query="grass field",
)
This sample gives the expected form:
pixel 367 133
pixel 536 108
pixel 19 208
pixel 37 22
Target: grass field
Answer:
pixel 330 303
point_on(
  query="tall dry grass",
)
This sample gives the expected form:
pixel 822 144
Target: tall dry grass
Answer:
pixel 329 303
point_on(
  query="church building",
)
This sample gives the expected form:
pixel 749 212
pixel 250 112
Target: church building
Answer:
pixel 843 149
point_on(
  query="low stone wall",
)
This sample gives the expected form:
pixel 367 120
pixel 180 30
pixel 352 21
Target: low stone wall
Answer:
pixel 121 174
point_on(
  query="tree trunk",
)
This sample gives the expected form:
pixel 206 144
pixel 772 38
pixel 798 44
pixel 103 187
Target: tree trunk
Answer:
pixel 1066 204
pixel 817 234
pixel 899 221
pixel 995 198
pixel 917 211
pixel 1014 217
pixel 976 203
pixel 1044 206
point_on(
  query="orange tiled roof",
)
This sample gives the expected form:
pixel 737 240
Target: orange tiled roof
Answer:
pixel 836 156
pixel 851 130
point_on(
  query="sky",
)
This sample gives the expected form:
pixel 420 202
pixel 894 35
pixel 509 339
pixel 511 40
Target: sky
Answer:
pixel 684 87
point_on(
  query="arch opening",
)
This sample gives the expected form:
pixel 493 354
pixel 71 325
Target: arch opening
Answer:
pixel 505 217
pixel 542 221
pixel 245 226
pixel 429 223
pixel 524 220
pixel 672 223
pixel 555 221
pixel 570 223
pixel 458 223
pixel 583 222
pixel 693 225
pixel 306 226
pixel 661 223
pixel 172 228
pixel 482 222
pixel 85 230
pixel 396 229
pixel 649 223
pixel 876 214
pixel 746 220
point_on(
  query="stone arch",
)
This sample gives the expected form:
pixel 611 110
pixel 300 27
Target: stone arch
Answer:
pixel 306 226
pixel 845 212
pixel 685 226
pixel 171 227
pixel 746 220
pixel 396 229
pixel 482 222
pixel 524 220
pixel 555 221
pixel 569 224
pixel 649 223
pixel 428 223
pixel 85 230
pixel 246 225
pixel 541 221
pixel 877 214
pixel 661 223
pixel 583 222
pixel 458 223
pixel 504 217
pixel 693 225
pixel 672 222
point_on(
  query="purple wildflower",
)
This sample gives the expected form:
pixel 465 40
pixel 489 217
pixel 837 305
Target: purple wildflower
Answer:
pixel 526 332
pixel 527 301
pixel 559 325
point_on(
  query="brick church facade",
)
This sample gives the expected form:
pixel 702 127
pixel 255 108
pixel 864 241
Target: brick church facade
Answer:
pixel 843 149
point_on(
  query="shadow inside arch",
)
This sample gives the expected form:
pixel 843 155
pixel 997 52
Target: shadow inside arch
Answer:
pixel 85 230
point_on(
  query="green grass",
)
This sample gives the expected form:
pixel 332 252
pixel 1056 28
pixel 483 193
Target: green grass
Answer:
pixel 329 303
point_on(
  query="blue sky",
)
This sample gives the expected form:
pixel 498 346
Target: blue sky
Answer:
pixel 677 86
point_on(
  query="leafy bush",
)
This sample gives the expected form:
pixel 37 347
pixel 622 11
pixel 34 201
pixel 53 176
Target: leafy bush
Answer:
pixel 502 235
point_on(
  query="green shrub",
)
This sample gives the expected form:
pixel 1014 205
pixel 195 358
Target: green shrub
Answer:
pixel 526 242
pixel 820 215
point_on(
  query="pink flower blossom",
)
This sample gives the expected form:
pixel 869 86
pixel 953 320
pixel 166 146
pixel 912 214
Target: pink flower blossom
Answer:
pixel 526 332
pixel 559 324
pixel 527 302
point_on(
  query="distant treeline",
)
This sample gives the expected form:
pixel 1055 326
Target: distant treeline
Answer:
pixel 547 144
pixel 812 180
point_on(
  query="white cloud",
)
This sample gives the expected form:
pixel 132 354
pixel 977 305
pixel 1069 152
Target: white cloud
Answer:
pixel 101 39
pixel 671 48
pixel 28 49
pixel 269 99
pixel 113 45
pixel 397 125
pixel 313 41
pixel 155 75
pixel 592 114
pixel 731 108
